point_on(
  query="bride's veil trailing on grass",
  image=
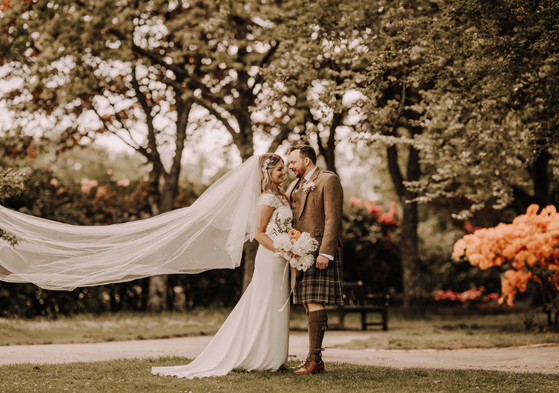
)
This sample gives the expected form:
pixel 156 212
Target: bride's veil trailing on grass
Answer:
pixel 207 235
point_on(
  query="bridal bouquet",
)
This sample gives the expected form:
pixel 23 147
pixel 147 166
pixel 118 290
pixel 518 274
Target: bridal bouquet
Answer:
pixel 296 247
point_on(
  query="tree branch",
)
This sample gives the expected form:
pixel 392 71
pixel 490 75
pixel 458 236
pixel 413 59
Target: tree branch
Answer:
pixel 279 138
pixel 269 54
pixel 264 60
pixel 138 148
pixel 184 75
pixel 154 156
pixel 218 116
pixel 183 113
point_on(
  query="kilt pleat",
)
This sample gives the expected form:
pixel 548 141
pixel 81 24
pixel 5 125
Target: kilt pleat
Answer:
pixel 320 285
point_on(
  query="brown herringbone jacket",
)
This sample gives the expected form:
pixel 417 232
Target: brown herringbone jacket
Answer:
pixel 319 212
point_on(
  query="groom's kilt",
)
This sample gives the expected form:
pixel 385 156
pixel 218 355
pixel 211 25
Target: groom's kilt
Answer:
pixel 320 286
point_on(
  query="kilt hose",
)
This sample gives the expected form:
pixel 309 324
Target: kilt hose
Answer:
pixel 320 286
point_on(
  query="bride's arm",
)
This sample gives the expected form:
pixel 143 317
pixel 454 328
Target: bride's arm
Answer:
pixel 265 212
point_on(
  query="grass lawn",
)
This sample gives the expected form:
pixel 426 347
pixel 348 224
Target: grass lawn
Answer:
pixel 110 327
pixel 407 331
pixel 134 376
pixel 453 331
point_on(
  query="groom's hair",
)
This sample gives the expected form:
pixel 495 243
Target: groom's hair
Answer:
pixel 305 151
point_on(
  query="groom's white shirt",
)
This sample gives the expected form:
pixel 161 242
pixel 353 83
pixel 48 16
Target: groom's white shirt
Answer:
pixel 308 175
pixel 307 178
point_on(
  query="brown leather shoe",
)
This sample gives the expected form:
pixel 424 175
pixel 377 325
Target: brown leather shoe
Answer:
pixel 311 367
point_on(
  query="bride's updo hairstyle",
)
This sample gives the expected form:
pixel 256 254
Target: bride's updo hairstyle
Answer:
pixel 268 162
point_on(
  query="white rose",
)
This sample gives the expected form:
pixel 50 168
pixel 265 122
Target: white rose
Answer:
pixel 288 246
pixel 281 239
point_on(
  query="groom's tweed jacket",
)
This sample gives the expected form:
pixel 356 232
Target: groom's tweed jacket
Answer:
pixel 319 212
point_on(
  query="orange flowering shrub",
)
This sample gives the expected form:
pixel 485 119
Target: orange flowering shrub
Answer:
pixel 527 250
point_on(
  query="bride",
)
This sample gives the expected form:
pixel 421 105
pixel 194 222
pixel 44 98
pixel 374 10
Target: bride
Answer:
pixel 210 234
pixel 255 336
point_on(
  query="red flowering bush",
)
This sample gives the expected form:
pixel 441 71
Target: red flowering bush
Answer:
pixel 377 211
pixel 474 293
pixel 369 237
pixel 527 250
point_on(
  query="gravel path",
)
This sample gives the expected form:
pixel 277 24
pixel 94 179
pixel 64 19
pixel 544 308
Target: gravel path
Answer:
pixel 533 358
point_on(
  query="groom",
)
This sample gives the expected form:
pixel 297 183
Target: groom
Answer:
pixel 316 198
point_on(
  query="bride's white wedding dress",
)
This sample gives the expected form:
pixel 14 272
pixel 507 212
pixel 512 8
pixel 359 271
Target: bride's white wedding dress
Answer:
pixel 255 336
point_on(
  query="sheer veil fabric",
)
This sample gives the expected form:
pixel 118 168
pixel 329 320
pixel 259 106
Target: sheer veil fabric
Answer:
pixel 207 235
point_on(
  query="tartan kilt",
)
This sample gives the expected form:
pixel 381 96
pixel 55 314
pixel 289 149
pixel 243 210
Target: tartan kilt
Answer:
pixel 320 286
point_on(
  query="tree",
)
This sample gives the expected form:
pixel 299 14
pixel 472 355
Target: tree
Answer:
pixel 322 57
pixel 392 110
pixel 465 88
pixel 353 46
pixel 137 70
pixel 491 117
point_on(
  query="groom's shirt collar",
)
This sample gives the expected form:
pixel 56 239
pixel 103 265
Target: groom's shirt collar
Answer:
pixel 308 175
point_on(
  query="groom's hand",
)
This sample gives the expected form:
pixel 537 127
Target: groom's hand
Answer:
pixel 322 262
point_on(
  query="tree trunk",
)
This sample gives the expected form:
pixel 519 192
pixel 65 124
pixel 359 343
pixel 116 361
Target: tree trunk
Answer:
pixel 410 220
pixel 541 179
pixel 409 242
pixel 540 175
pixel 328 150
pixel 157 293
pixel 153 191
pixel 245 145
pixel 408 251
pixel 244 142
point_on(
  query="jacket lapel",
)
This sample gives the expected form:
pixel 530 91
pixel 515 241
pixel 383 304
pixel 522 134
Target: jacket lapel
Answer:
pixel 304 201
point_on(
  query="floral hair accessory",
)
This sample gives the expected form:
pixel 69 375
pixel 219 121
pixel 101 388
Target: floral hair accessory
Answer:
pixel 309 186
pixel 266 163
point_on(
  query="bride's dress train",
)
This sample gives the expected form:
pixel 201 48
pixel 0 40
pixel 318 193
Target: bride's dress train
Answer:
pixel 255 336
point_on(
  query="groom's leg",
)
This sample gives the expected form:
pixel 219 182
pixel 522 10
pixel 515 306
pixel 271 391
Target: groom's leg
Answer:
pixel 314 306
pixel 317 321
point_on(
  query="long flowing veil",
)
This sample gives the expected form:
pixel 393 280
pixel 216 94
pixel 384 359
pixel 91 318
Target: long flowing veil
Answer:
pixel 209 234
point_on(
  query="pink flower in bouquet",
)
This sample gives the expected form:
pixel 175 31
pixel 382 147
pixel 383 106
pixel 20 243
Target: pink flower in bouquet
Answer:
pixel 294 234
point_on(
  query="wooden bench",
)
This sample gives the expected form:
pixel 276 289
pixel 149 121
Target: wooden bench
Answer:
pixel 357 301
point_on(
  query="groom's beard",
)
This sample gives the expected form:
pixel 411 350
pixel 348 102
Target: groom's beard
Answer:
pixel 299 175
